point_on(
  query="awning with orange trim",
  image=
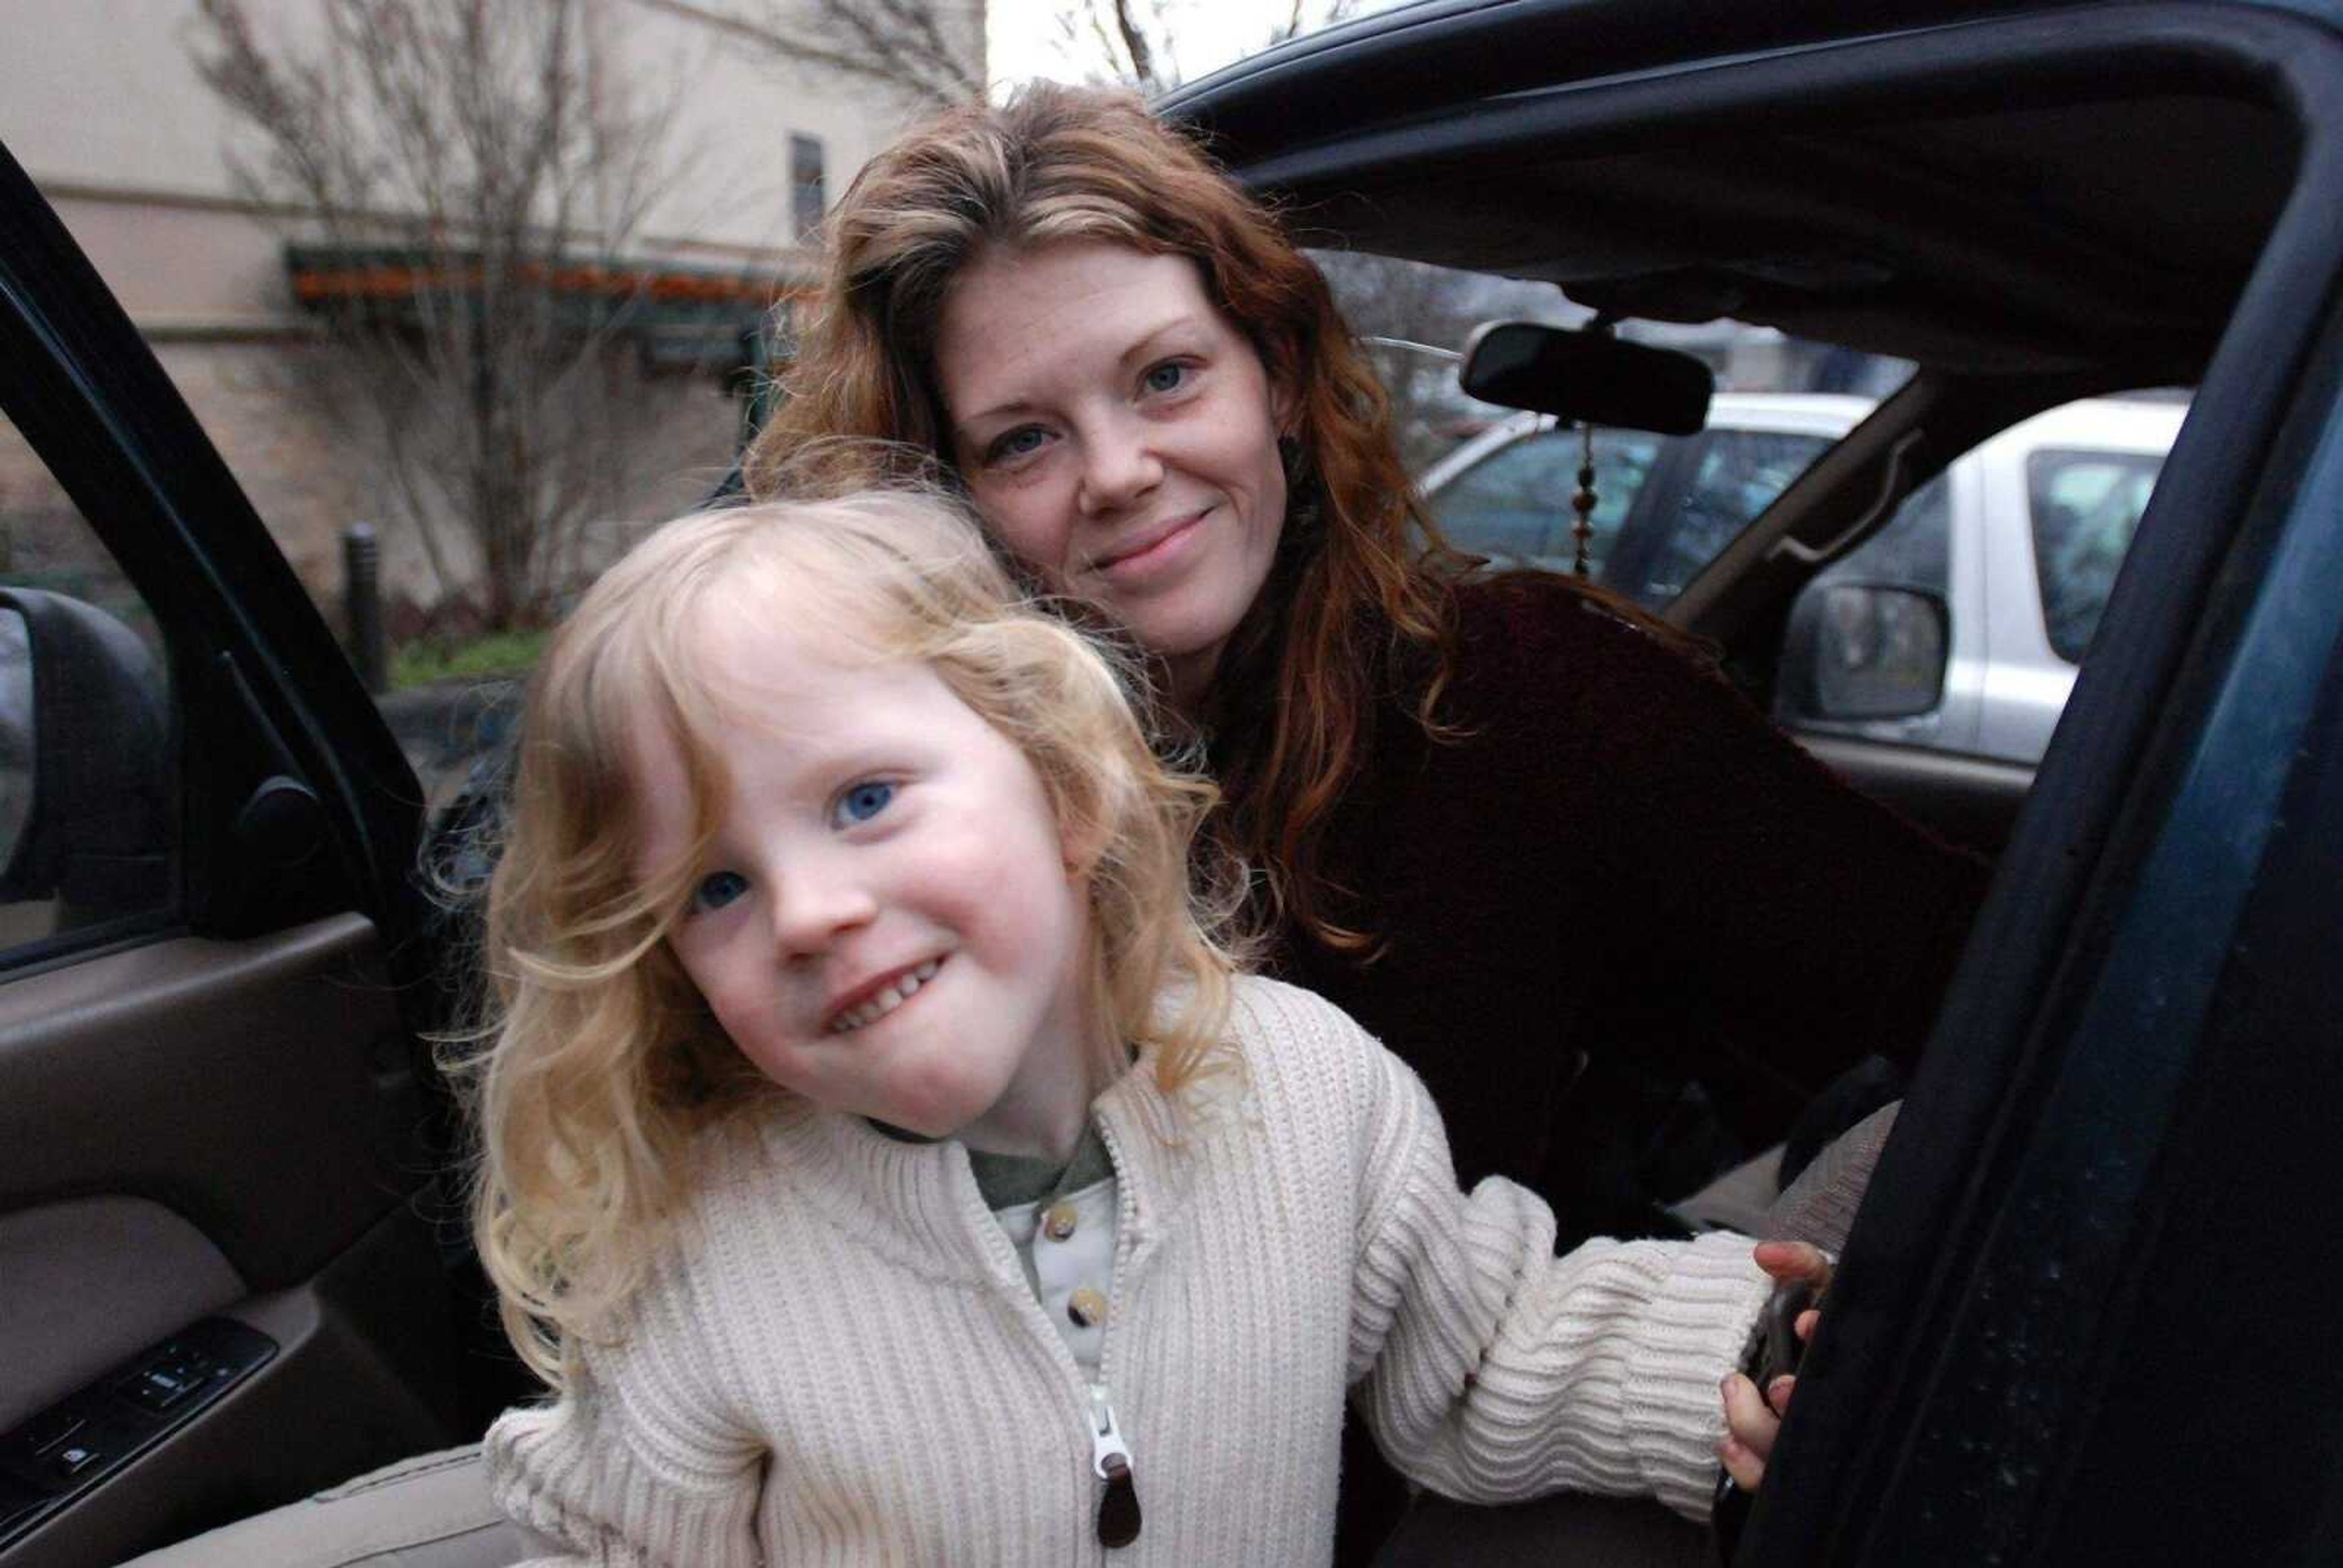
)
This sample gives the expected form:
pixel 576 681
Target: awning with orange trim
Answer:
pixel 685 316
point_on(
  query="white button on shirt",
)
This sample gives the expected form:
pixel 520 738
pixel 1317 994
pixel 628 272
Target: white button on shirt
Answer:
pixel 1082 1261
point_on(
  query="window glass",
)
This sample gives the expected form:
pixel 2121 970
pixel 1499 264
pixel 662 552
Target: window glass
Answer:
pixel 1913 550
pixel 1739 474
pixel 1513 506
pixel 807 198
pixel 88 810
pixel 2085 507
pixel 1857 653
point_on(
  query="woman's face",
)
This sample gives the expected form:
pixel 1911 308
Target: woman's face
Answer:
pixel 1119 435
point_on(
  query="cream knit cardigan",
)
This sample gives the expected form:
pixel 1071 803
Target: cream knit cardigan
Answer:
pixel 843 1362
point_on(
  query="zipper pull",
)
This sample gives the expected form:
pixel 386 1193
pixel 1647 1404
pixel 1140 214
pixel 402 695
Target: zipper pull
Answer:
pixel 1118 1516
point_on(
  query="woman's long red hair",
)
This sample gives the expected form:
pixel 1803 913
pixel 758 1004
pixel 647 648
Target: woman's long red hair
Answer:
pixel 1362 582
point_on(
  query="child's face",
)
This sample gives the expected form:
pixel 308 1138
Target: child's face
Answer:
pixel 886 922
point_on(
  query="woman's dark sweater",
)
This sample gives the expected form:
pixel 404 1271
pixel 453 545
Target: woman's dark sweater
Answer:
pixel 1624 858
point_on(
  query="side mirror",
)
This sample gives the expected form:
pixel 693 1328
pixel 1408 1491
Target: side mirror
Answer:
pixel 85 795
pixel 1860 650
pixel 1589 377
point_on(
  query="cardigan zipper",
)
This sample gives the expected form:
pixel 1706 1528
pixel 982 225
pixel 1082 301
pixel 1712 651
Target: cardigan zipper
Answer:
pixel 1118 1514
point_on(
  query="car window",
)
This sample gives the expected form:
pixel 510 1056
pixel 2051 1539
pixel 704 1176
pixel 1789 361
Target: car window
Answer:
pixel 1867 654
pixel 1739 474
pixel 1513 506
pixel 1913 550
pixel 87 803
pixel 2084 507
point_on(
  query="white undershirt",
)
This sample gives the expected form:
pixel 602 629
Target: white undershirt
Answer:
pixel 1083 1260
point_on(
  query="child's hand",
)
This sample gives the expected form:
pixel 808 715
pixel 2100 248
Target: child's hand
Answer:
pixel 1752 1416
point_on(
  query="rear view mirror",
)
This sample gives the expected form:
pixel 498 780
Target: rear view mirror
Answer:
pixel 1588 378
pixel 1858 651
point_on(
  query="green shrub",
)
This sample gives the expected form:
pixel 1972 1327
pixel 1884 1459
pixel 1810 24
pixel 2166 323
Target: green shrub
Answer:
pixel 428 660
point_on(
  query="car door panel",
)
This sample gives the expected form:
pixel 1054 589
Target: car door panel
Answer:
pixel 220 1095
pixel 86 1281
pixel 327 1381
pixel 231 1128
pixel 238 1032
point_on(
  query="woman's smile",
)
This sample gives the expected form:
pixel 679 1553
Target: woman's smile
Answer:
pixel 1135 560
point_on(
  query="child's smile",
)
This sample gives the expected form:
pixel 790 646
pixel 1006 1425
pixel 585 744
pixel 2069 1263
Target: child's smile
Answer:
pixel 885 921
pixel 867 1004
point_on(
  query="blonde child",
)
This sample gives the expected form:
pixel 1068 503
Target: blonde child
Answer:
pixel 884 1158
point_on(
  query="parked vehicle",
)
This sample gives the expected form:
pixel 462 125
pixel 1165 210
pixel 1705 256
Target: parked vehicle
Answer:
pixel 2085 1314
pixel 1665 504
pixel 2018 540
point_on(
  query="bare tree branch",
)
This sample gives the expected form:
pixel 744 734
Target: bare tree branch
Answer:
pixel 927 51
pixel 474 175
pixel 1135 47
pixel 1137 42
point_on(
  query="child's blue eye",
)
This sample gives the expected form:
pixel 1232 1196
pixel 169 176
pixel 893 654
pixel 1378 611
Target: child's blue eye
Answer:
pixel 717 889
pixel 862 802
pixel 1166 376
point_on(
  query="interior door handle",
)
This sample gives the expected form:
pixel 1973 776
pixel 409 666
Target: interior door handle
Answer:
pixel 1897 464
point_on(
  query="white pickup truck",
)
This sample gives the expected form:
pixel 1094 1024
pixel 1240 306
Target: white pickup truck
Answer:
pixel 2019 540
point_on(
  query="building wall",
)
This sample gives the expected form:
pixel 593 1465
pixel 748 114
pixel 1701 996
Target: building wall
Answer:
pixel 100 102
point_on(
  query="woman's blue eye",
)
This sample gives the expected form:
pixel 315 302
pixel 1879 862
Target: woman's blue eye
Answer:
pixel 863 801
pixel 717 889
pixel 1166 378
pixel 1021 442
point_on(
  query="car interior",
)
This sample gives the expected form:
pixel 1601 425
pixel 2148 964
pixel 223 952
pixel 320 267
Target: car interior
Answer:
pixel 2032 209
pixel 1919 200
pixel 230 1269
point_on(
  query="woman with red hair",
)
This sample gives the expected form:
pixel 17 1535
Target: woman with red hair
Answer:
pixel 1521 832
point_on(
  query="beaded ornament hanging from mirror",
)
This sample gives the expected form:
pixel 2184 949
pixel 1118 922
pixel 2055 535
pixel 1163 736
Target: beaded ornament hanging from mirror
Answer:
pixel 1581 504
pixel 1581 528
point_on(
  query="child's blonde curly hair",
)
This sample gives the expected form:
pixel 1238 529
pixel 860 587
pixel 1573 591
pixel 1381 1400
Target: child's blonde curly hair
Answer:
pixel 597 1066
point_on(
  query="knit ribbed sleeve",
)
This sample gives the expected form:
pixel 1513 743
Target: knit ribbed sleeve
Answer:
pixel 635 1463
pixel 1494 1370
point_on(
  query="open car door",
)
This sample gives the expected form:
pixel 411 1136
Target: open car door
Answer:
pixel 2086 1313
pixel 219 1282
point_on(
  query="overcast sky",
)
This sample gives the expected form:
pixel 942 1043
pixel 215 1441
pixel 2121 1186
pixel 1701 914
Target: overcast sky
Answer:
pixel 1025 38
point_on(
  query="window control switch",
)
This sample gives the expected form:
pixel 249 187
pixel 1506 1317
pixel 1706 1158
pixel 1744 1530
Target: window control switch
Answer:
pixel 72 1458
pixel 56 1456
pixel 158 1389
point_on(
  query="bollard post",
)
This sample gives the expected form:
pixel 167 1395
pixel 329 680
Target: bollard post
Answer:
pixel 362 603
